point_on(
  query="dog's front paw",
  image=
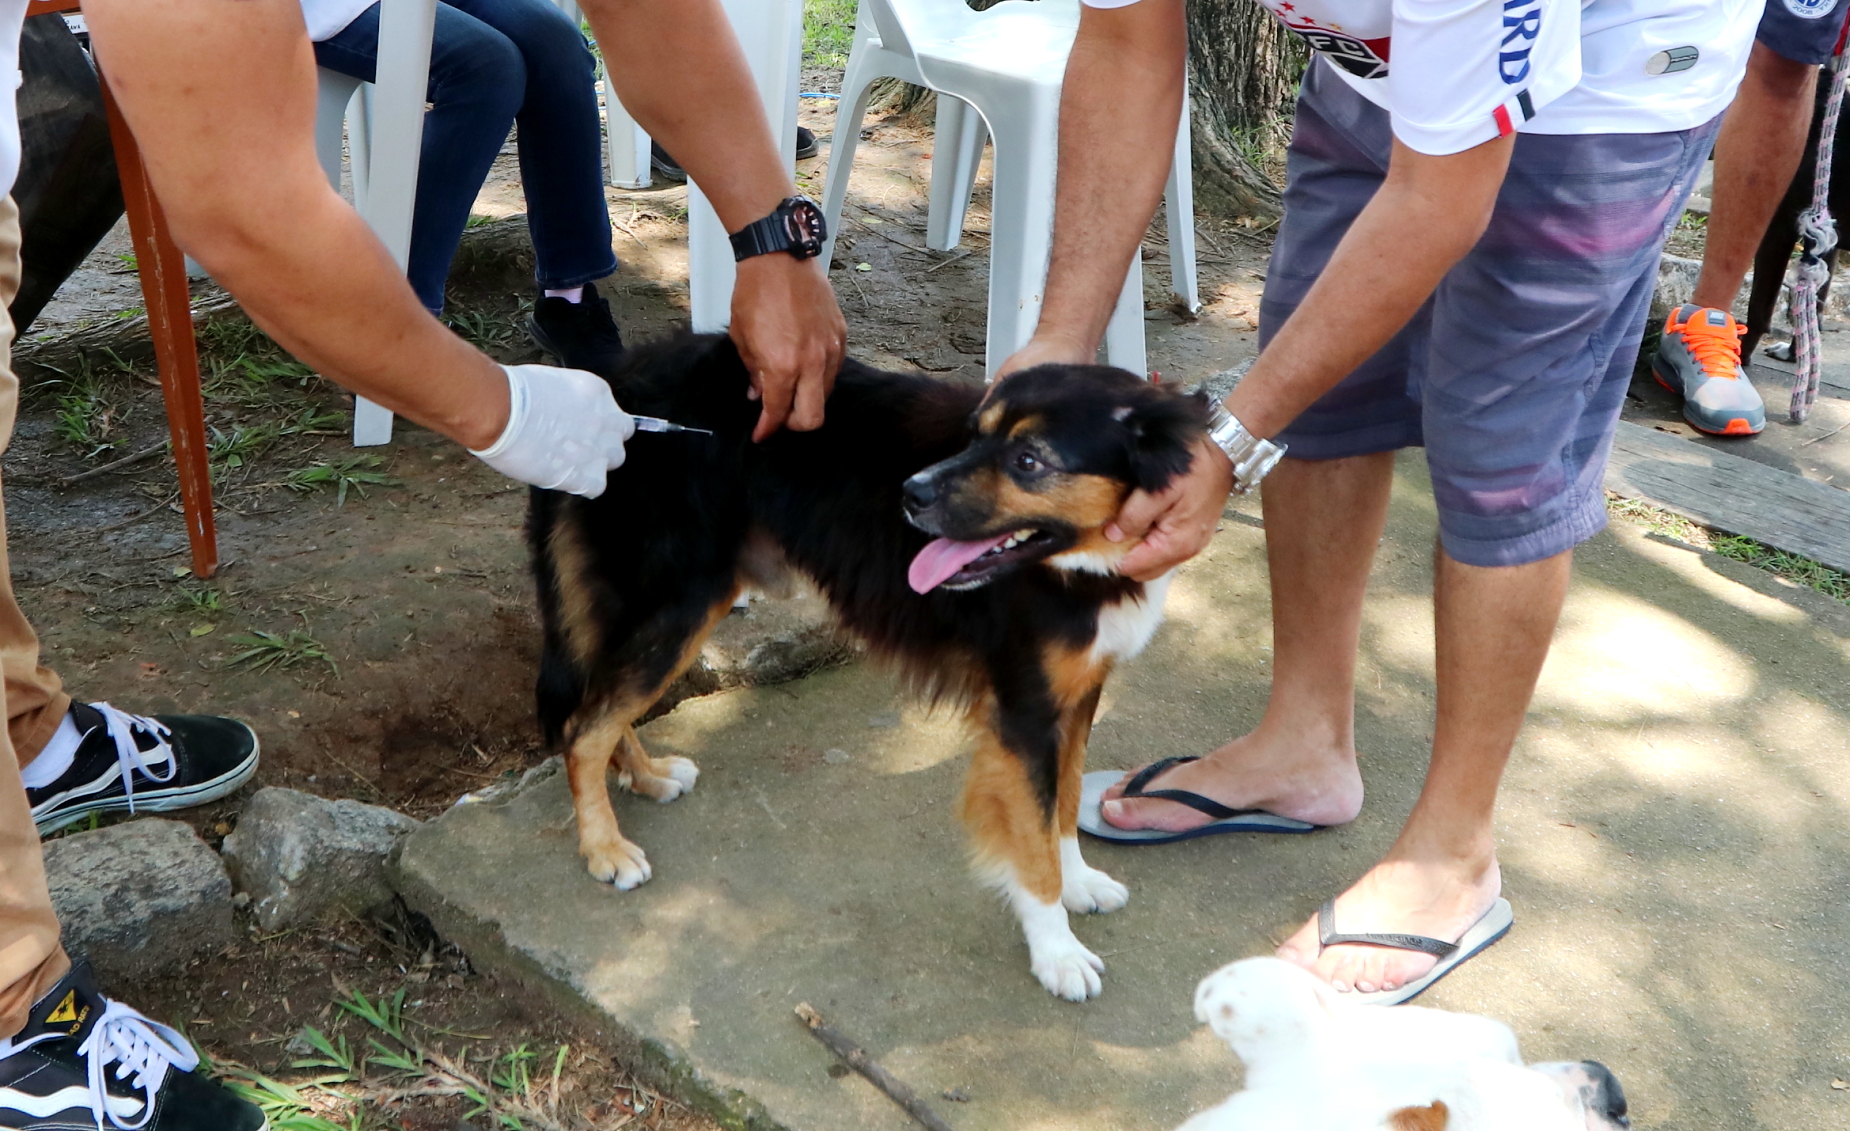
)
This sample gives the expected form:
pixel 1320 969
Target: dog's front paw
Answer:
pixel 618 861
pixel 1091 890
pixel 1083 888
pixel 674 776
pixel 1067 969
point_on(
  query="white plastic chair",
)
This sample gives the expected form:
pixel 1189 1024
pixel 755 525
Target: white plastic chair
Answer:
pixel 998 73
pixel 385 139
pixel 771 33
pixel 626 146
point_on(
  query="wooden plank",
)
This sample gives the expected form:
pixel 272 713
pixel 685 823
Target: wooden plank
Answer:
pixel 1730 493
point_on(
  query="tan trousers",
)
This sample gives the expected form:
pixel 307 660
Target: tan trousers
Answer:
pixel 30 957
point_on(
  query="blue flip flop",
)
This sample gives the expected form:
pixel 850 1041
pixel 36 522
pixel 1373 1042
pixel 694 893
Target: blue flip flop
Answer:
pixel 1225 820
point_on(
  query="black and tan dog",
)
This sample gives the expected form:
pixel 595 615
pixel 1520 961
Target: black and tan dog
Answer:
pixel 960 540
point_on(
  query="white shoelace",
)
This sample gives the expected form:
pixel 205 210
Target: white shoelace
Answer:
pixel 143 1048
pixel 121 726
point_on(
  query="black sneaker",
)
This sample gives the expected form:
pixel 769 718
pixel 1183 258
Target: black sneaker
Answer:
pixel 664 165
pixel 582 335
pixel 138 764
pixel 661 162
pixel 84 1062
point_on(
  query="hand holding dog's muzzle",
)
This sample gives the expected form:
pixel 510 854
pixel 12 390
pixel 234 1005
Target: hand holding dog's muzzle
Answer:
pixel 564 430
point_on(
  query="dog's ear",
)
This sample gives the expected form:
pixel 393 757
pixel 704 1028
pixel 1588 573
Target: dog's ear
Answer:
pixel 1160 430
pixel 1429 1118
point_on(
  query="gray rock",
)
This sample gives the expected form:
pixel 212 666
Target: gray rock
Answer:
pixel 139 898
pixel 301 857
pixel 774 640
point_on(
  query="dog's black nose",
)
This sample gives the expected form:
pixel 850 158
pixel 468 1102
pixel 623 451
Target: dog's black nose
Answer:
pixel 1611 1098
pixel 919 492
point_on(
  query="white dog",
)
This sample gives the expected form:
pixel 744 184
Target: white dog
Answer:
pixel 1315 1062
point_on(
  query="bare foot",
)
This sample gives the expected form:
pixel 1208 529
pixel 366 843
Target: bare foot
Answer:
pixel 1292 777
pixel 1437 897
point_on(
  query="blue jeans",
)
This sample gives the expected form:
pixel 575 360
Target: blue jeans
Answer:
pixel 494 63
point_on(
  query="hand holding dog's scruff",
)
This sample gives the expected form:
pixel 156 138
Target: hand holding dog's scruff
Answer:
pixel 1174 524
pixel 1177 522
pixel 792 337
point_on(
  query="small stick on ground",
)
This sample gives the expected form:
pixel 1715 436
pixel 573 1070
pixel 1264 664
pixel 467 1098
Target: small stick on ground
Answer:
pixel 114 465
pixel 855 1057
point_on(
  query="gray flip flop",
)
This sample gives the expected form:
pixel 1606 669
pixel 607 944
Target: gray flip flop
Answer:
pixel 1493 926
pixel 1092 821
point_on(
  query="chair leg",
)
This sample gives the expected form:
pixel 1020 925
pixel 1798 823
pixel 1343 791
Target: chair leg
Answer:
pixel 1021 217
pixel 1179 208
pixel 1124 345
pixel 845 138
pixel 957 150
pixel 626 145
pixel 170 323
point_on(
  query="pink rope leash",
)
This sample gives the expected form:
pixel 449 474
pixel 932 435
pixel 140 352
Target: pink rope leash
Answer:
pixel 1818 236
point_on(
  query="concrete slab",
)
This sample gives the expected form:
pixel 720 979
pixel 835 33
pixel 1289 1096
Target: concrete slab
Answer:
pixel 1676 830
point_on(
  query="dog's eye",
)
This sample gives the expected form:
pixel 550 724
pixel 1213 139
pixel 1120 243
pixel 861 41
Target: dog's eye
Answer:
pixel 1026 462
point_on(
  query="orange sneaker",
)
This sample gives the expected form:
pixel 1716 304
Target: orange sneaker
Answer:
pixel 1699 359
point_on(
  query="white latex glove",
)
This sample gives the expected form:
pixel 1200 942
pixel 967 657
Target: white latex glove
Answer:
pixel 564 430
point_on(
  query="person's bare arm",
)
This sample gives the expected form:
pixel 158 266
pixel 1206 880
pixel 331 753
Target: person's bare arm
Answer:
pixel 1124 84
pixel 220 95
pixel 680 72
pixel 1427 214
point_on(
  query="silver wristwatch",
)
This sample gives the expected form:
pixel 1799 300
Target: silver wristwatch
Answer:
pixel 1252 457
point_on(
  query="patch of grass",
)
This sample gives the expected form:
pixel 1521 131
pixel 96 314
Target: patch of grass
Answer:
pixel 270 651
pixel 1796 568
pixel 476 220
pixel 198 599
pixel 1693 222
pixel 230 449
pixel 488 330
pixel 351 472
pixel 1657 520
pixel 84 414
pixel 828 32
pixel 357 1089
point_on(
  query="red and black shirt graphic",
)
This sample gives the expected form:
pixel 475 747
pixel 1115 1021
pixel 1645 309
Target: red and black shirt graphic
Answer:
pixel 1363 58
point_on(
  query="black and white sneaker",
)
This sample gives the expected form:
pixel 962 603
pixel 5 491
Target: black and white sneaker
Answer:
pixel 134 763
pixel 86 1063
pixel 582 334
pixel 670 170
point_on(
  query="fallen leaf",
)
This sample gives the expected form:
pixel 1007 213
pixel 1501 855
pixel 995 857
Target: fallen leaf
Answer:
pixel 202 629
pixel 1840 1085
pixel 863 267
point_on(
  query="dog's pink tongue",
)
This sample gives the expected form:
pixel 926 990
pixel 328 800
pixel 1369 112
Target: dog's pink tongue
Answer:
pixel 942 557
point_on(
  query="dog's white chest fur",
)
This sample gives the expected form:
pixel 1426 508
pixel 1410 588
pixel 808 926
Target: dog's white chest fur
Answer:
pixel 1126 627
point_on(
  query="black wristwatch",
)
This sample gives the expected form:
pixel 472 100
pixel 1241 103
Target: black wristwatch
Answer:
pixel 796 227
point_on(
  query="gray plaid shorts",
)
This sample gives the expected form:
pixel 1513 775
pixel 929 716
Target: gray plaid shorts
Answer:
pixel 1513 372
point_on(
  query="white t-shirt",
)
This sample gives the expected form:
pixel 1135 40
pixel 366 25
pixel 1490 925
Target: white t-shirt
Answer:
pixel 1466 71
pixel 12 17
pixel 328 18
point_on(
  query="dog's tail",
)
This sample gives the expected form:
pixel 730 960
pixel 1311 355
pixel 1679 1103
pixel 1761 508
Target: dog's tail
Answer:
pixel 557 694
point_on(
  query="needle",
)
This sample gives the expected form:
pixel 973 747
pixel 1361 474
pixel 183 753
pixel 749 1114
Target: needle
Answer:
pixel 657 424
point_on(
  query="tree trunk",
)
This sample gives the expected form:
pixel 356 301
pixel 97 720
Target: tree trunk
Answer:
pixel 1243 75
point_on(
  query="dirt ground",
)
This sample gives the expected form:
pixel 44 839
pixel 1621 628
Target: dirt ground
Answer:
pixel 401 642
